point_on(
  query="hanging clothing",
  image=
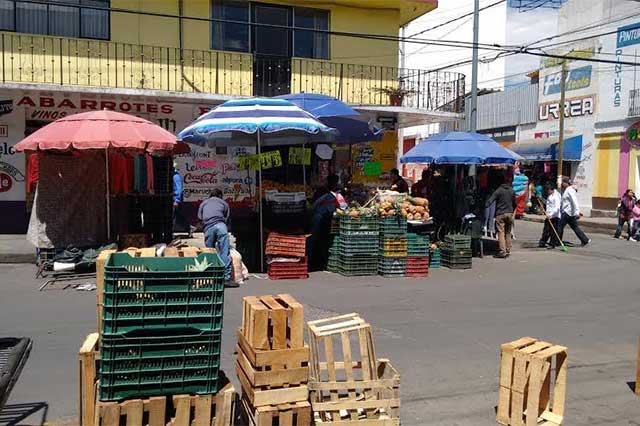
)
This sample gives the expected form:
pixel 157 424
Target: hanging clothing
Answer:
pixel 120 173
pixel 140 174
pixel 33 171
pixel 150 177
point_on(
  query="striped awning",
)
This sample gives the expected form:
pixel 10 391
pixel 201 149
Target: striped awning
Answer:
pixel 237 122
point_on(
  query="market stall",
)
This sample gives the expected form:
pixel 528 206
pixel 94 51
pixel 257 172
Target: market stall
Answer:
pixel 263 123
pixel 460 167
pixel 103 176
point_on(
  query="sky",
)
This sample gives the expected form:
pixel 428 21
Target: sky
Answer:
pixel 499 24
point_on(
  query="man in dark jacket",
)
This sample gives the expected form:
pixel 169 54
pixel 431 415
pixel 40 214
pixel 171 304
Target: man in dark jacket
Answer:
pixel 214 214
pixel 505 200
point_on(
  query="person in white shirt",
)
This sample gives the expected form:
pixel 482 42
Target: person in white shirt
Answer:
pixel 571 211
pixel 554 201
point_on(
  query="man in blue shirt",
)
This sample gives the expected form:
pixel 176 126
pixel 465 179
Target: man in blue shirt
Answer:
pixel 180 223
pixel 214 214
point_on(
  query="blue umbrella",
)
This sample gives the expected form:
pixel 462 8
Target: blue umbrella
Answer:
pixel 459 148
pixel 335 113
pixel 266 122
pixel 259 121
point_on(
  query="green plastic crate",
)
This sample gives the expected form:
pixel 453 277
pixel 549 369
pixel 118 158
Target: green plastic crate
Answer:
pixel 367 225
pixel 457 241
pixel 161 293
pixel 392 266
pixel 152 364
pixel 393 226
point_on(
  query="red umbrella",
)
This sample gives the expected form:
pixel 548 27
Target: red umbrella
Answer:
pixel 100 130
pixel 103 130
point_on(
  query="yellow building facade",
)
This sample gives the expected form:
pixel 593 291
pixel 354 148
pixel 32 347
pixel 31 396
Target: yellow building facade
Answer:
pixel 169 45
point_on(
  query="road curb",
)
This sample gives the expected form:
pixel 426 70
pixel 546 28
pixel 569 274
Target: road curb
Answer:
pixel 18 258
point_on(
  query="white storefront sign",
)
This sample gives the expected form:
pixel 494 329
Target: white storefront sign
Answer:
pixel 21 113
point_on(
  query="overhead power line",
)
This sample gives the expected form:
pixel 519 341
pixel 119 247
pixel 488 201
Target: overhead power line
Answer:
pixel 456 19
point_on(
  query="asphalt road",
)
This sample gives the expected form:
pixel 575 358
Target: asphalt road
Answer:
pixel 442 333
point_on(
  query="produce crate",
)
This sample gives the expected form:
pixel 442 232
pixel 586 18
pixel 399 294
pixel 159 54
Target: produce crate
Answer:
pixel 434 258
pixel 360 265
pixel 277 208
pixel 392 266
pixel 393 246
pixel 417 267
pixel 357 245
pixel 162 293
pixel 418 245
pixel 152 364
pixel 455 261
pixel 365 225
pixel 458 241
pixel 288 270
pixel 456 253
pixel 396 225
pixel 286 245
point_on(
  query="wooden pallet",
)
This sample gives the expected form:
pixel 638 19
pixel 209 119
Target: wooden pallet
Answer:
pixel 272 377
pixel 294 414
pixel 87 367
pixel 527 384
pixel 178 410
pixel 103 257
pixel 374 402
pixel 273 322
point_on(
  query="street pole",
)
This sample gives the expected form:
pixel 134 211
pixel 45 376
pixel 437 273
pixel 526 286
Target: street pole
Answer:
pixel 473 111
pixel 560 152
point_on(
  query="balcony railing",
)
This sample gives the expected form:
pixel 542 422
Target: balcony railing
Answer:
pixel 634 103
pixel 80 62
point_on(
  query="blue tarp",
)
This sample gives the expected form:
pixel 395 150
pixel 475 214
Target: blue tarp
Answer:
pixel 545 150
pixel 459 148
pixel 338 115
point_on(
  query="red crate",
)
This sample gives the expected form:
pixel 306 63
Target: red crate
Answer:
pixel 286 245
pixel 417 267
pixel 289 270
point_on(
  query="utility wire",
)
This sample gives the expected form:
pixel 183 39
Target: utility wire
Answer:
pixel 456 19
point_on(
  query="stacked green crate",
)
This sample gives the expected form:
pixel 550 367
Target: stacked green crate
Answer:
pixel 358 246
pixel 334 258
pixel 418 245
pixel 456 252
pixel 434 258
pixel 393 246
pixel 162 325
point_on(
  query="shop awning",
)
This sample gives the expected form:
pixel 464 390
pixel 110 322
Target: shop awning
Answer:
pixel 547 149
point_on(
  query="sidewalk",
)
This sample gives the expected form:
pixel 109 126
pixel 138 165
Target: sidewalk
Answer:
pixel 16 249
pixel 599 225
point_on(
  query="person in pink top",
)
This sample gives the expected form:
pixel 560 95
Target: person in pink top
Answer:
pixel 635 228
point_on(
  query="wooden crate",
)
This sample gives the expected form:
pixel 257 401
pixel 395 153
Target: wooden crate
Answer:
pixel 356 388
pixel 528 386
pixel 87 368
pixel 179 410
pixel 103 257
pixel 272 377
pixel 374 402
pixel 273 322
pixel 294 414
pixel 353 335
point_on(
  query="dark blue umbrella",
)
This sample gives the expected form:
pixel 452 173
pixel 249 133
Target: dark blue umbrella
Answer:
pixel 338 115
pixel 459 148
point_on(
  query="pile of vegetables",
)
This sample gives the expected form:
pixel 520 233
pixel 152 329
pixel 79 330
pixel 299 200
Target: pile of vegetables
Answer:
pixel 356 211
pixel 415 209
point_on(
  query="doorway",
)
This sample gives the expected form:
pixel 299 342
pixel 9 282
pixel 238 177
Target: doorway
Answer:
pixel 272 50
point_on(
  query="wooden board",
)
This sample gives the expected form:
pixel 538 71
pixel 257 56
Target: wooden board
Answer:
pixel 87 358
pixel 179 410
pixel 259 397
pixel 294 414
pixel 527 385
pixel 273 322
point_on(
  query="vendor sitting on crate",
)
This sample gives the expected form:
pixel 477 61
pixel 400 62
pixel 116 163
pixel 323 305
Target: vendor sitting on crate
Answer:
pixel 214 214
pixel 323 210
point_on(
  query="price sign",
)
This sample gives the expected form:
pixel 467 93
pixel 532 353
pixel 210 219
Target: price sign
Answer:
pixel 300 156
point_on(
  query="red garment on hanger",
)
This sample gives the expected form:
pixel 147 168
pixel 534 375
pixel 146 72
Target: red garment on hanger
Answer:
pixel 120 173
pixel 33 171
